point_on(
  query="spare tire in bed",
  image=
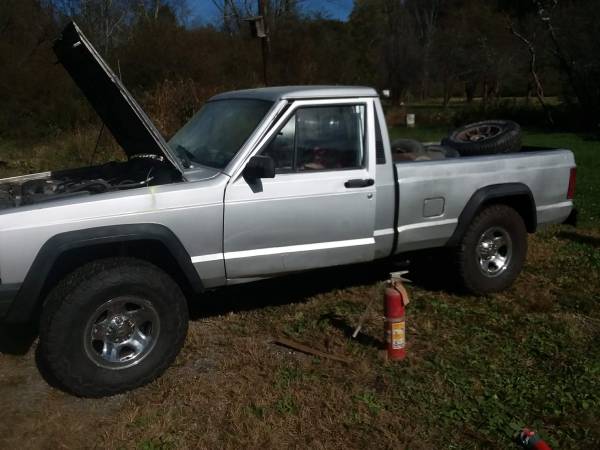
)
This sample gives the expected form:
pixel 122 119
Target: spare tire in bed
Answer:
pixel 407 150
pixel 485 138
pixel 441 152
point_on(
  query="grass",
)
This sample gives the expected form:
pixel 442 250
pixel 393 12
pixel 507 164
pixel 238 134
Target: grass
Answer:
pixel 65 151
pixel 478 369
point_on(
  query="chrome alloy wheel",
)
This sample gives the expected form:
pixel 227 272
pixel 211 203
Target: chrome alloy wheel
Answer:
pixel 494 251
pixel 479 133
pixel 121 332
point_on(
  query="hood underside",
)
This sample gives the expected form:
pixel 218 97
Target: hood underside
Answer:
pixel 115 105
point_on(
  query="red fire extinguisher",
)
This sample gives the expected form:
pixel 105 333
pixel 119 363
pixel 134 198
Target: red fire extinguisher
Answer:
pixel 395 299
pixel 529 440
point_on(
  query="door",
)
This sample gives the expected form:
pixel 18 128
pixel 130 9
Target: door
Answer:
pixel 319 210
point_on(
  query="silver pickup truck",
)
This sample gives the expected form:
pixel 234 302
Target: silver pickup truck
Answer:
pixel 259 183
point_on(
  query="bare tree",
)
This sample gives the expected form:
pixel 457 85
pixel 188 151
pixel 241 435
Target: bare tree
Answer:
pixel 539 89
pixel 425 13
pixel 400 48
pixel 578 61
pixel 150 10
pixel 101 18
pixel 233 12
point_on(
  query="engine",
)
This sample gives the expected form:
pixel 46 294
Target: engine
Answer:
pixel 138 172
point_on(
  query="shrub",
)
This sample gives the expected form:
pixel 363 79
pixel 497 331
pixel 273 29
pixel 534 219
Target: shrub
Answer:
pixel 171 103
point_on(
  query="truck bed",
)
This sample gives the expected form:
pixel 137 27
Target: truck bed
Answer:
pixel 432 194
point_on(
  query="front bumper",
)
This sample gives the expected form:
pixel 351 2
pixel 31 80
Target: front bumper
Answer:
pixel 8 293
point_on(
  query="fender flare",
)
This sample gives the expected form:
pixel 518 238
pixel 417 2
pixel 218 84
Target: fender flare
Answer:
pixel 493 193
pixel 28 297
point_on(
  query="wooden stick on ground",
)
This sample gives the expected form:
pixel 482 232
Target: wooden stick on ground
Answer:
pixel 363 317
pixel 309 350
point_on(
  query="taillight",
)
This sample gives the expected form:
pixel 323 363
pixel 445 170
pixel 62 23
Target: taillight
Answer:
pixel 572 182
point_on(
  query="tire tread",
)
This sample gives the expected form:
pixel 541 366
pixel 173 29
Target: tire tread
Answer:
pixel 508 141
pixel 489 213
pixel 58 307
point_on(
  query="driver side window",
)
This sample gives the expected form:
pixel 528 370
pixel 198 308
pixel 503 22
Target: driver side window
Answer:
pixel 320 138
pixel 281 148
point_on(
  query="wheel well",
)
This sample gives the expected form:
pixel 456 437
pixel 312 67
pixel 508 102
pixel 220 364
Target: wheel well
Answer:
pixel 521 204
pixel 153 251
pixel 64 252
pixel 514 195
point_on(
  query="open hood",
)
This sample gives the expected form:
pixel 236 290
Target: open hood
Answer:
pixel 115 105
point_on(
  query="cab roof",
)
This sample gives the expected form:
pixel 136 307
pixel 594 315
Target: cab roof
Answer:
pixel 277 93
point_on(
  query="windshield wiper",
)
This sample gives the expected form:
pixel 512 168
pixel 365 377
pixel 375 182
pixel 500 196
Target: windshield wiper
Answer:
pixel 186 156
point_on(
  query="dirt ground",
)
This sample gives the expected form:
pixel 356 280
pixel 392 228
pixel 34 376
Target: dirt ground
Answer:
pixel 478 368
pixel 226 369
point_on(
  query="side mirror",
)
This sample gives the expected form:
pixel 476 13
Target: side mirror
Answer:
pixel 258 167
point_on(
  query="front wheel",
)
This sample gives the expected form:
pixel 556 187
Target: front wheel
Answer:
pixel 111 326
pixel 492 251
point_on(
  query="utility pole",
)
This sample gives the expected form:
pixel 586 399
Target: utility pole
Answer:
pixel 264 40
pixel 260 30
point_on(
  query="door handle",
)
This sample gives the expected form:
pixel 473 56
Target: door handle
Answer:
pixel 359 183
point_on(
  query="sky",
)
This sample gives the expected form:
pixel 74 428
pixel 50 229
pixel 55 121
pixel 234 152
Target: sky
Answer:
pixel 205 11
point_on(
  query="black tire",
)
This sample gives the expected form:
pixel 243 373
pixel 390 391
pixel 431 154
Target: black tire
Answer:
pixel 407 146
pixel 485 138
pixel 407 150
pixel 436 152
pixel 66 349
pixel 480 275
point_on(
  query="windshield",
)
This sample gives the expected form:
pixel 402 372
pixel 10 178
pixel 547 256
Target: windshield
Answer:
pixel 217 132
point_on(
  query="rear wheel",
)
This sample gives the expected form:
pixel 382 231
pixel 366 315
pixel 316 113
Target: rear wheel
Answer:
pixel 111 326
pixel 493 250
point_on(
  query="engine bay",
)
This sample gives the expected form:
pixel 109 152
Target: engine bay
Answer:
pixel 139 171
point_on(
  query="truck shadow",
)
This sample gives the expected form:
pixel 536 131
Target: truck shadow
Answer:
pixel 579 238
pixel 427 271
pixel 287 289
pixel 362 338
pixel 434 270
pixel 17 339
